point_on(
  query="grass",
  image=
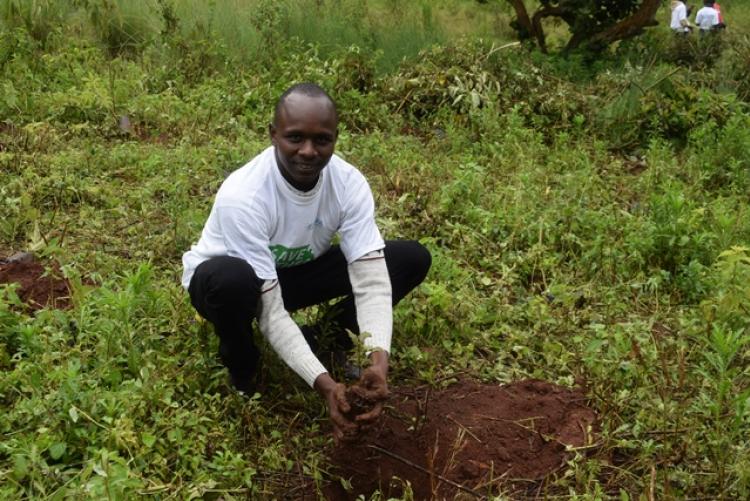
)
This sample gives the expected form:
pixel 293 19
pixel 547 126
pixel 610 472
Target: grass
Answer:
pixel 586 225
pixel 249 29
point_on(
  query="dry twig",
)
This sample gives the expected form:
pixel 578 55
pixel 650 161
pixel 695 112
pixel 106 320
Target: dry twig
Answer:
pixel 426 472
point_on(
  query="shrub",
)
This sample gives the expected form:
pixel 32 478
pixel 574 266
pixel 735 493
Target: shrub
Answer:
pixel 722 154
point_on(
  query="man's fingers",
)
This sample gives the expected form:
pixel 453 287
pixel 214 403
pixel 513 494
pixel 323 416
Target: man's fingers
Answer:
pixel 343 424
pixel 374 394
pixel 341 400
pixel 337 435
pixel 371 415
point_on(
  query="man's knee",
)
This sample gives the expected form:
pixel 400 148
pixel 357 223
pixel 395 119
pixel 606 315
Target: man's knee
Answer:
pixel 408 260
pixel 228 280
pixel 420 260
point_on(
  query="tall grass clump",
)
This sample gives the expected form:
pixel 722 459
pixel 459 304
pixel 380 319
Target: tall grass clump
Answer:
pixel 124 26
pixel 40 18
pixel 394 29
pixel 253 30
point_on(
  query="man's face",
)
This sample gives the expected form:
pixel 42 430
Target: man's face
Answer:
pixel 304 136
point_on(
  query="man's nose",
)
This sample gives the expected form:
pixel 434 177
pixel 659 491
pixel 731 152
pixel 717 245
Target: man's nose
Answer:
pixel 307 149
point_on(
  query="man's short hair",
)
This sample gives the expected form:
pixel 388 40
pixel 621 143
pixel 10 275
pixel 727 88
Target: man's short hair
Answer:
pixel 308 89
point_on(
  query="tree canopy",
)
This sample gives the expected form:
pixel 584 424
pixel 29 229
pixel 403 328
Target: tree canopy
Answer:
pixel 593 24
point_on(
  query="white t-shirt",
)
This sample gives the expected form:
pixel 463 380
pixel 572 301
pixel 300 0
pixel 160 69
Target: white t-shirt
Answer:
pixel 679 14
pixel 707 18
pixel 259 217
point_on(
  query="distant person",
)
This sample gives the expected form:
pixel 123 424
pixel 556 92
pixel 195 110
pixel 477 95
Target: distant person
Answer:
pixel 679 23
pixel 721 24
pixel 707 18
pixel 266 249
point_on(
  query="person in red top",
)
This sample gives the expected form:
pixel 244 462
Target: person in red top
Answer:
pixel 721 24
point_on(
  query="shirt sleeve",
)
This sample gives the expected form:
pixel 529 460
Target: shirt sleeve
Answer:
pixel 371 286
pixel 359 232
pixel 246 236
pixel 284 335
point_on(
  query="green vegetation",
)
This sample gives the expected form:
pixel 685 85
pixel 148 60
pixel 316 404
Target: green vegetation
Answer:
pixel 589 223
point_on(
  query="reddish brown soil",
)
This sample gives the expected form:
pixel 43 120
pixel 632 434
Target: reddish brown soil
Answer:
pixel 34 289
pixel 485 438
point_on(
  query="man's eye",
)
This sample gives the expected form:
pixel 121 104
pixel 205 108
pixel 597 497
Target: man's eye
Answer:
pixel 322 141
pixel 294 138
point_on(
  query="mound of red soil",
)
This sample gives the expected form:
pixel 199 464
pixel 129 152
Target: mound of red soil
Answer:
pixel 470 438
pixel 35 289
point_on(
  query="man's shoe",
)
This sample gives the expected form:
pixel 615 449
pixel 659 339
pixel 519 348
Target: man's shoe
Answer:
pixel 246 385
pixel 243 386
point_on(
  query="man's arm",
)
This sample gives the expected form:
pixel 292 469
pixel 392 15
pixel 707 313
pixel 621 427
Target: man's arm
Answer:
pixel 285 336
pixel 371 286
pixel 289 343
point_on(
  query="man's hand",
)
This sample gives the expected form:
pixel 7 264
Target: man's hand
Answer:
pixel 334 395
pixel 373 386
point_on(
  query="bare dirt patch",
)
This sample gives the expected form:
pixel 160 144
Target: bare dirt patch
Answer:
pixel 468 440
pixel 36 287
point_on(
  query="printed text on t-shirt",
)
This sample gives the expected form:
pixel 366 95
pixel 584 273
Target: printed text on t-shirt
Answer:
pixel 286 257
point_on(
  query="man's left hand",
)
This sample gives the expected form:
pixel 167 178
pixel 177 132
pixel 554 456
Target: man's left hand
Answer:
pixel 373 386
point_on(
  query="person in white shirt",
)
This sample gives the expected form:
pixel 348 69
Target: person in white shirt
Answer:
pixel 266 249
pixel 679 22
pixel 707 18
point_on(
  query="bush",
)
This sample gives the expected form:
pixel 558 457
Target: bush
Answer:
pixel 722 154
pixel 642 103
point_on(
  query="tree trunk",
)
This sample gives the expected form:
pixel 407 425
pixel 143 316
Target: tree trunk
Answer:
pixel 523 20
pixel 627 28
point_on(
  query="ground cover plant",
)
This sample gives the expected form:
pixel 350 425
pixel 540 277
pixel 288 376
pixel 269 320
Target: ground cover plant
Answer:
pixel 588 220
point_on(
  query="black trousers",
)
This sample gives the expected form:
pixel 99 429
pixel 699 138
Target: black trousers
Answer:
pixel 225 290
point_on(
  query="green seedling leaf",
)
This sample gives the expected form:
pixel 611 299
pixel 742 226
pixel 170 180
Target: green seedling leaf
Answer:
pixel 99 470
pixel 20 467
pixel 148 439
pixel 57 450
pixel 73 413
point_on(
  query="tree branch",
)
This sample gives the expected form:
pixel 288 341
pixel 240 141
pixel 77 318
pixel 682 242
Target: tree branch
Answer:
pixel 628 27
pixel 536 22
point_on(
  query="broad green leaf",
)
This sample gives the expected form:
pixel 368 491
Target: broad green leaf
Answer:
pixel 148 439
pixel 57 450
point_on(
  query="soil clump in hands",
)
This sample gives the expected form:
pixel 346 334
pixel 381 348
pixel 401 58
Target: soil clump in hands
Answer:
pixel 360 401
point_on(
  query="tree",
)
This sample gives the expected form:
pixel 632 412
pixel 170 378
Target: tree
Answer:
pixel 594 24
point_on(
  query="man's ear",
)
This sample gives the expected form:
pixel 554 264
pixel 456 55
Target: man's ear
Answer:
pixel 272 133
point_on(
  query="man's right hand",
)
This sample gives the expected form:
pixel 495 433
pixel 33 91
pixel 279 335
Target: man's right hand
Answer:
pixel 334 395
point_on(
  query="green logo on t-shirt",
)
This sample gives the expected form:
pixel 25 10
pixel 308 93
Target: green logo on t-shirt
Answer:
pixel 286 257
